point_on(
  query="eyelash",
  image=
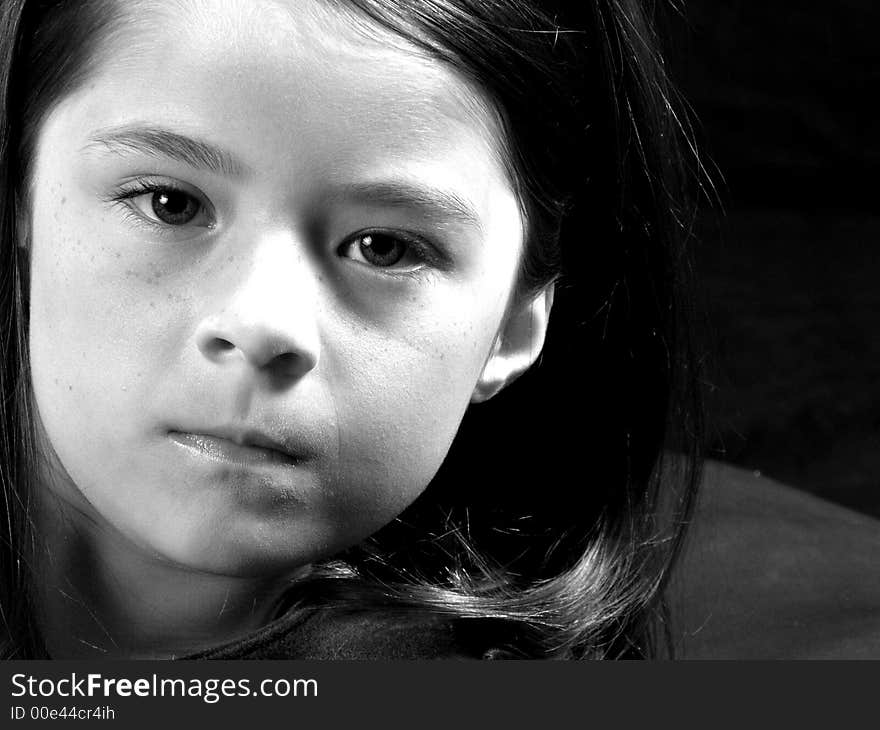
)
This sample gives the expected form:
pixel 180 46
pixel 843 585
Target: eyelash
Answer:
pixel 427 254
pixel 149 186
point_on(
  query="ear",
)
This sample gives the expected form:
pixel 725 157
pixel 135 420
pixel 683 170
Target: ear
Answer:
pixel 517 345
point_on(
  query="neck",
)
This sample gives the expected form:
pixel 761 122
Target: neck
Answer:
pixel 101 596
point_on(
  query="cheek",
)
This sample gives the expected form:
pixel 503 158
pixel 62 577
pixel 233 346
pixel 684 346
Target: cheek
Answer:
pixel 400 398
pixel 95 324
pixel 66 316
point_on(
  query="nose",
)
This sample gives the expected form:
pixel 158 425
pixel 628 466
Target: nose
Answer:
pixel 266 314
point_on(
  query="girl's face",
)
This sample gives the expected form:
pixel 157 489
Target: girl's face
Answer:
pixel 272 253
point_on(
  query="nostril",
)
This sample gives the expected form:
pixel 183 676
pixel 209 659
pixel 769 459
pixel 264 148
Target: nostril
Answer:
pixel 284 368
pixel 278 350
pixel 222 345
pixel 291 364
pixel 214 346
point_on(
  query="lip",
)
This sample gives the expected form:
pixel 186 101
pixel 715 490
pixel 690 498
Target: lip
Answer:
pixel 243 448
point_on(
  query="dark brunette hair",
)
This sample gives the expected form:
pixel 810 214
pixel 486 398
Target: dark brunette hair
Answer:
pixel 553 524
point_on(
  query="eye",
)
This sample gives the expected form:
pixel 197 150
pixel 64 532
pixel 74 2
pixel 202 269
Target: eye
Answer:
pixel 170 206
pixel 163 204
pixel 174 207
pixel 385 251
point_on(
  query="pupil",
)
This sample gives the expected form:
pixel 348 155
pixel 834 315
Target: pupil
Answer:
pixel 173 203
pixel 174 208
pixel 380 246
pixel 382 250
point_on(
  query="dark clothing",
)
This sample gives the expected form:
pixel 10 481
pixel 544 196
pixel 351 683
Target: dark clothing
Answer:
pixel 316 634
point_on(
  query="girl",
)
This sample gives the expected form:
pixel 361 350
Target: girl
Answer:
pixel 270 271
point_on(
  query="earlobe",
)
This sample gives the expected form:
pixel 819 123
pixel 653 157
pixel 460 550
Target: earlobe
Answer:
pixel 517 346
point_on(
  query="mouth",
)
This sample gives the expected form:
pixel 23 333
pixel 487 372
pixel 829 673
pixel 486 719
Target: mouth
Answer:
pixel 242 448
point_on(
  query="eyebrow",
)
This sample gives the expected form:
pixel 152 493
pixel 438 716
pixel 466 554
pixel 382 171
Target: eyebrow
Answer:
pixel 404 194
pixel 157 141
pixel 200 154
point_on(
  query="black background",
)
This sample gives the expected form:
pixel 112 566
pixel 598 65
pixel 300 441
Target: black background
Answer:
pixel 781 96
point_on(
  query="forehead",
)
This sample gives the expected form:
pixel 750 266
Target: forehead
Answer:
pixel 266 68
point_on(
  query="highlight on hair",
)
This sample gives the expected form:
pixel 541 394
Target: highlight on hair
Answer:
pixel 556 519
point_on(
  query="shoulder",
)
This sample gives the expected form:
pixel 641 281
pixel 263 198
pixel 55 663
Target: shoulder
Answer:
pixel 772 572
